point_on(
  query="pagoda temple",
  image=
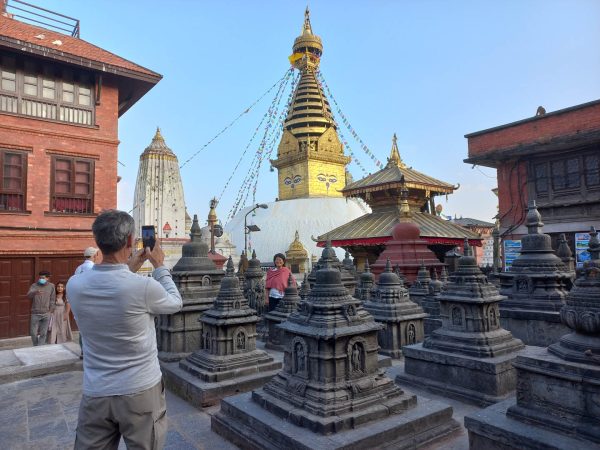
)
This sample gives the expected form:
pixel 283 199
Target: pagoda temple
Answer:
pixel 366 236
pixel 311 166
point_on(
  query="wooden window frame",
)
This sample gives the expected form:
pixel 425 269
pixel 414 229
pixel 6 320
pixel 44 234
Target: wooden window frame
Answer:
pixel 22 192
pixel 72 195
pixel 39 107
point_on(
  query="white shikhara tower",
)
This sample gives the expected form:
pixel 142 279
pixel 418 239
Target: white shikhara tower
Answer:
pixel 158 196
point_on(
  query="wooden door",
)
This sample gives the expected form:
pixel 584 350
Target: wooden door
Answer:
pixel 16 275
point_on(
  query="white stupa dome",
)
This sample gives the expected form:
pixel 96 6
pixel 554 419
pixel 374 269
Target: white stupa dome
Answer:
pixel 278 224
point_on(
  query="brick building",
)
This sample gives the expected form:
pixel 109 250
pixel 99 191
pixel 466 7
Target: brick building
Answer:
pixel 60 100
pixel 553 158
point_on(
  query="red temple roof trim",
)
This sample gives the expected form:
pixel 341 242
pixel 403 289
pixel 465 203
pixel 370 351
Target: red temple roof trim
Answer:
pixel 383 240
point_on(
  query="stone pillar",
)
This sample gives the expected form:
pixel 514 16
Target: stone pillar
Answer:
pixel 228 361
pixel 277 339
pixel 330 384
pixel 558 387
pixel 470 357
pixel 390 305
pixel 198 281
pixel 536 287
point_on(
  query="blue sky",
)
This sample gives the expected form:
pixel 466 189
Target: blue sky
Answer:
pixel 429 70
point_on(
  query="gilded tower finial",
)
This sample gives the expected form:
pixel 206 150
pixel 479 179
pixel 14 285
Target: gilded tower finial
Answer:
pixel 394 159
pixel 405 214
pixel 306 28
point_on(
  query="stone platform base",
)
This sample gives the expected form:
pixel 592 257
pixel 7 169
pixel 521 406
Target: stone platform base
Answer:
pixel 539 328
pixel 247 425
pixel 430 325
pixel 492 429
pixel 383 361
pixel 481 381
pixel 200 393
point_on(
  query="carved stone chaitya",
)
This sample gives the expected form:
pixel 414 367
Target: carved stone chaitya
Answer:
pixel 348 279
pixel 254 285
pixel 420 288
pixel 558 391
pixel 536 287
pixel 471 355
pixel 331 388
pixel 366 282
pixel 566 256
pixel 276 337
pixel 228 360
pixel 431 305
pixel 390 305
pixel 305 288
pixel 197 279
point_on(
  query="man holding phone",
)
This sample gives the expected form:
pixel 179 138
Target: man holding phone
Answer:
pixel 123 393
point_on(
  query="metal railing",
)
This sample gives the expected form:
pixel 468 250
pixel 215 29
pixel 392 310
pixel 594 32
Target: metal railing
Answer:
pixel 71 205
pixel 36 15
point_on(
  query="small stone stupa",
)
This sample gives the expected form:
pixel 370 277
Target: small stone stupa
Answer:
pixel 390 305
pixel 470 356
pixel 536 287
pixel 348 279
pixel 366 282
pixel 420 288
pixel 331 394
pixel 228 360
pixel 565 254
pixel 198 281
pixel 558 388
pixel 431 305
pixel 276 337
pixel 254 285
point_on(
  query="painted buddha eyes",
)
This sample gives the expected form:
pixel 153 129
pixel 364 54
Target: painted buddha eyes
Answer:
pixel 289 181
pixel 327 178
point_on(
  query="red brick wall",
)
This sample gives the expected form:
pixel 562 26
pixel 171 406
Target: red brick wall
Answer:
pixel 40 139
pixel 540 129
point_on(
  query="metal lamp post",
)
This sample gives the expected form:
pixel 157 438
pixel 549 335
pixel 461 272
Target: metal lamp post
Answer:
pixel 250 228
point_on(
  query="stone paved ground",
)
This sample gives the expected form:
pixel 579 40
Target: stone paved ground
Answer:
pixel 41 413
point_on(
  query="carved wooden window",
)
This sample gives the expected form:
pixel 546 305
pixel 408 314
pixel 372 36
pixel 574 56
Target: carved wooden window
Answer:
pixel 541 179
pixel 72 185
pixel 13 181
pixel 35 90
pixel 565 174
pixel 592 170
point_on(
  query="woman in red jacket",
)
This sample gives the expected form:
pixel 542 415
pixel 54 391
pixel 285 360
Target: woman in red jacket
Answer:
pixel 277 281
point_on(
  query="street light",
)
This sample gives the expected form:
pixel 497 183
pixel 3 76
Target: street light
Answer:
pixel 248 229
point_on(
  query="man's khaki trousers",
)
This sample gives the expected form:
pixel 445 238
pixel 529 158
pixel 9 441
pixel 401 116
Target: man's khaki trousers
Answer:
pixel 140 418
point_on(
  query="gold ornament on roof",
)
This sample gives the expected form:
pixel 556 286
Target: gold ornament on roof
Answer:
pixel 296 249
pixel 394 159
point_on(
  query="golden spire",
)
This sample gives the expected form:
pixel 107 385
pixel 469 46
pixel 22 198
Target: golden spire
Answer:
pixel 394 159
pixel 212 214
pixel 306 28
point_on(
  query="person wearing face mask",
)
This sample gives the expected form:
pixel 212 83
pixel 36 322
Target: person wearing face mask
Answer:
pixel 43 299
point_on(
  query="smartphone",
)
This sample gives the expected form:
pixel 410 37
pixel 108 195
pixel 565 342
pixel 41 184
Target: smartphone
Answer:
pixel 148 236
